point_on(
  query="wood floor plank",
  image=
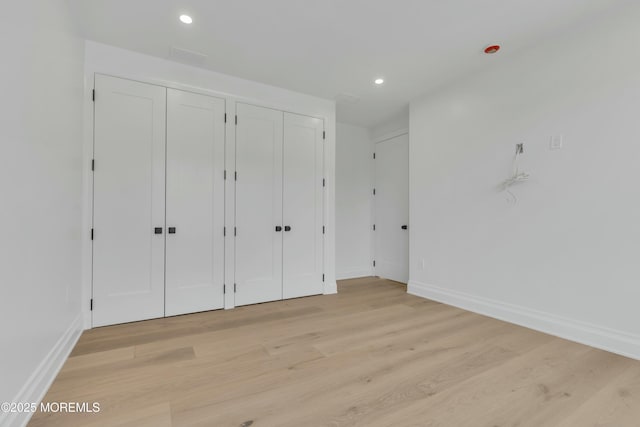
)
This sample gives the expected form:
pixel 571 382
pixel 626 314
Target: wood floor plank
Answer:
pixel 331 375
pixel 371 355
pixel 616 404
pixel 92 360
pixel 544 378
pixel 391 378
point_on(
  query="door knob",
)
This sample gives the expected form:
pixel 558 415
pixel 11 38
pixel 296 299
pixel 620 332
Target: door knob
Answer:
pixel 287 228
pixel 172 230
pixel 278 228
pixel 404 227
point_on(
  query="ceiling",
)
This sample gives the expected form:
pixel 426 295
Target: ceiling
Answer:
pixel 331 47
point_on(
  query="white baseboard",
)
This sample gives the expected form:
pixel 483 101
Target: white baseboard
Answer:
pixel 330 288
pixel 619 342
pixel 354 274
pixel 39 382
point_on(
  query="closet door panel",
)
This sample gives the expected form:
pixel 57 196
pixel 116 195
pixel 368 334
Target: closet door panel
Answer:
pixel 129 200
pixel 303 206
pixel 195 203
pixel 258 205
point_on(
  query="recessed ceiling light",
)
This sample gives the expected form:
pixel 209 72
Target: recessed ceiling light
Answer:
pixel 186 19
pixel 379 81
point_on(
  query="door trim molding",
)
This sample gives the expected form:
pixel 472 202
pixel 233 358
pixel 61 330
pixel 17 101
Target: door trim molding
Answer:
pixel 330 288
pixel 391 135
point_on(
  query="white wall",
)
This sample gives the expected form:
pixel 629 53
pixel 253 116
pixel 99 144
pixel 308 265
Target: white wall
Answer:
pixel 40 184
pixel 565 258
pixel 391 127
pixel 101 58
pixel 354 203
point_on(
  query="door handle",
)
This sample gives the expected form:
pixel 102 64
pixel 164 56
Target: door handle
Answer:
pixel 404 227
pixel 172 230
pixel 278 228
pixel 287 228
pixel 157 230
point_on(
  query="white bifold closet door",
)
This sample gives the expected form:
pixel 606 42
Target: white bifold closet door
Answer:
pixel 195 203
pixel 302 206
pixel 259 134
pixel 279 205
pixel 129 201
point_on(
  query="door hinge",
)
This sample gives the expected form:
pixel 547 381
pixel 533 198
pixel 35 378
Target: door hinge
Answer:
pixel 93 95
pixel 235 231
pixel 224 289
pixel 225 174
pixel 324 135
pixel 374 262
pixel 235 175
pixel 374 156
pixel 93 164
pixel 91 304
pixel 234 288
pixel 236 119
pixel 323 229
pixel 225 117
pixel 324 182
pixel 92 234
pixel 323 277
pixel 374 227
pixel 374 191
pixel 224 231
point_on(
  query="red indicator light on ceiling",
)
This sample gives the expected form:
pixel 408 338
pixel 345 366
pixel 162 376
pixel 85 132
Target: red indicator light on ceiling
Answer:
pixel 492 49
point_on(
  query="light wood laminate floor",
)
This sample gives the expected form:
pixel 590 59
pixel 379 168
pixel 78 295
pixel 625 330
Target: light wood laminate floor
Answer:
pixel 369 356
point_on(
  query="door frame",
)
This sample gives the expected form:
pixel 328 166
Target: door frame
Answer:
pixel 383 138
pixel 291 105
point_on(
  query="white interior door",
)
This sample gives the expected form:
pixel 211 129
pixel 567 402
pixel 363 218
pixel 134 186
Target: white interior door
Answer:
pixel 258 204
pixel 392 209
pixel 302 206
pixel 129 200
pixel 195 203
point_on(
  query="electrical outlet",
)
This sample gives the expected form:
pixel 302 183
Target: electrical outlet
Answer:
pixel 556 142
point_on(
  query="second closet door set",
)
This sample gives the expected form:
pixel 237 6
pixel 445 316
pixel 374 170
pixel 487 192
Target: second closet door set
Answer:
pixel 158 203
pixel 279 215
